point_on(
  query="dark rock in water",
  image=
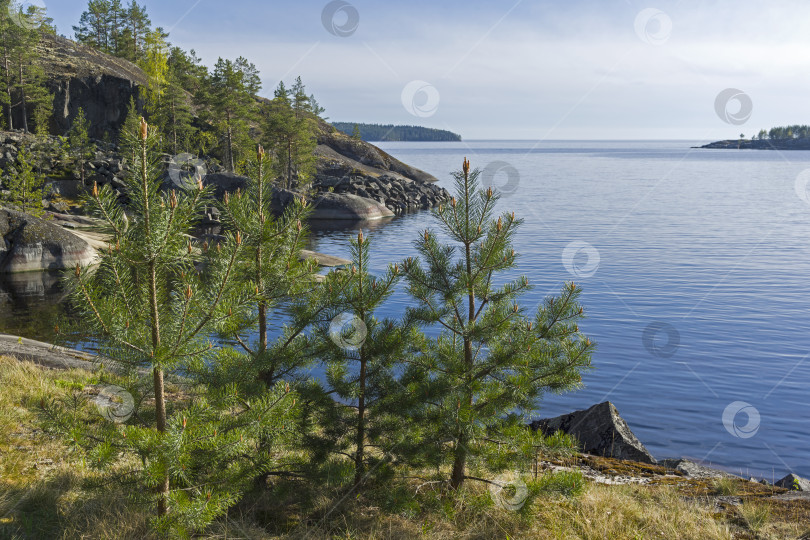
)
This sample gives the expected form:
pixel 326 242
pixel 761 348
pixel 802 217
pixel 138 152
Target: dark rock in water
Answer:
pixel 347 207
pixel 32 244
pixel 692 469
pixel 600 430
pixel 794 483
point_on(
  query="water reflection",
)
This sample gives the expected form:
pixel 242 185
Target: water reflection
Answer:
pixel 30 304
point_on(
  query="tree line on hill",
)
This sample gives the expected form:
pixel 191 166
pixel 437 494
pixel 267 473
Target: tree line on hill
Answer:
pixel 208 112
pixel 389 132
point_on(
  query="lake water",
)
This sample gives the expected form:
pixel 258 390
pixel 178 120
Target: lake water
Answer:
pixel 695 266
pixel 700 303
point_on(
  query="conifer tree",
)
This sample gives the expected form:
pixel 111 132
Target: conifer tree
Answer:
pixel 79 148
pixel 288 131
pixel 274 273
pixel 25 184
pixel 360 353
pixel 148 306
pixel 490 362
pixel 231 97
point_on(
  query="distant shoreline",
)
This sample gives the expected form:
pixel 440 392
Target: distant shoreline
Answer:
pixel 763 144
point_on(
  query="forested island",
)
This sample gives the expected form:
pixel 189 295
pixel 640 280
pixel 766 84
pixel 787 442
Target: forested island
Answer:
pixel 390 132
pixel 795 137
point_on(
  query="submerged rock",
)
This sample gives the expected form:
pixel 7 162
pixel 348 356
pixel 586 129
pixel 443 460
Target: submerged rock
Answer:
pixel 600 430
pixel 32 244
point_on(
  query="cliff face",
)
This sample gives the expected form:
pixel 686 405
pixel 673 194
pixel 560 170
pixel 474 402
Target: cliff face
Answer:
pixel 81 77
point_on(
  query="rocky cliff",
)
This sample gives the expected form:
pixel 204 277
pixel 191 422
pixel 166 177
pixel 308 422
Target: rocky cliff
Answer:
pixel 82 77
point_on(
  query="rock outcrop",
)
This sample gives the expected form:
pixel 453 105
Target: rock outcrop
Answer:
pixel 342 206
pixel 600 430
pixel 82 77
pixel 794 482
pixel 32 244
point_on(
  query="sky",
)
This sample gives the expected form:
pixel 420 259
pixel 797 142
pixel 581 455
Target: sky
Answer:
pixel 517 69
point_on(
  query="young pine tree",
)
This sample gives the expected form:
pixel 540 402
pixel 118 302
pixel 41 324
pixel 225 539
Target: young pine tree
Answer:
pixel 489 362
pixel 360 353
pixel 149 307
pixel 274 275
pixel 25 185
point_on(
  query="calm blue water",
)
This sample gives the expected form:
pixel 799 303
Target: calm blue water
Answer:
pixel 708 250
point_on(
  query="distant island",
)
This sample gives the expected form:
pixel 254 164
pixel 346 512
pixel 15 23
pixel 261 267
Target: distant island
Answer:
pixel 390 132
pixel 796 137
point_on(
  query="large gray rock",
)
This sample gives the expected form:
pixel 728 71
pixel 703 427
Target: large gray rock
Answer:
pixel 342 206
pixel 32 244
pixel 794 483
pixel 600 430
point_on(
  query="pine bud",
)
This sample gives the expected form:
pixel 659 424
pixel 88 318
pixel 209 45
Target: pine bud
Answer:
pixel 529 326
pixel 78 270
pixel 466 166
pixel 427 235
pixel 219 248
pixel 188 292
pixel 287 387
pixel 199 183
pixel 298 225
pixel 441 208
pixel 479 229
pixel 396 269
pixel 489 192
pixel 189 248
pixel 173 199
pixel 513 216
pixel 260 153
pixel 515 308
pixel 126 324
pixel 230 312
pixel 144 129
pixel 226 198
pixel 453 202
pixel 499 226
pixel 184 422
pixel 238 238
pixel 354 270
pixel 205 245
pixel 95 189
pixel 512 253
pixel 360 237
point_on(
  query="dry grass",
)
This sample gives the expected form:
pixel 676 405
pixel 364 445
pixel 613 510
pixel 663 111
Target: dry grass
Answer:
pixel 46 491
